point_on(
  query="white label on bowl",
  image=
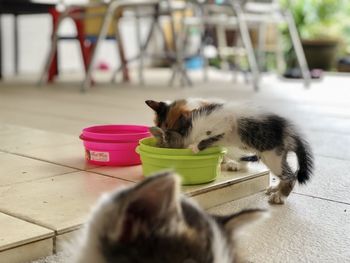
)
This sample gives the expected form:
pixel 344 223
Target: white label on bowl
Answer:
pixel 99 156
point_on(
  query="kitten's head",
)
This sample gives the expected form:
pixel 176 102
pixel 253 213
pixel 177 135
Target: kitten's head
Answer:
pixel 175 121
pixel 174 115
pixel 167 139
pixel 152 223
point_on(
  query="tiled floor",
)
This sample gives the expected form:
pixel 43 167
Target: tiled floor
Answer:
pixel 47 189
pixel 46 185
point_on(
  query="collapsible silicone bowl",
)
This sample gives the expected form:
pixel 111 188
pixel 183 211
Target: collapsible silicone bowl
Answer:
pixel 113 145
pixel 122 133
pixel 193 168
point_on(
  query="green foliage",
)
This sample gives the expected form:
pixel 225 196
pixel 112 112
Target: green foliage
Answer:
pixel 317 19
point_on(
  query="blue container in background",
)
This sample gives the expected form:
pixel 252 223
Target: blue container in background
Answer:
pixel 194 63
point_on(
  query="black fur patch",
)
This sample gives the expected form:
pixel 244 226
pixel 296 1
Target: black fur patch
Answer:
pixel 162 113
pixel 184 125
pixel 263 134
pixel 305 159
pixel 204 144
pixel 251 158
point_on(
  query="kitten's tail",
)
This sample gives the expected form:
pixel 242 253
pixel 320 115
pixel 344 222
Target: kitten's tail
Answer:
pixel 305 159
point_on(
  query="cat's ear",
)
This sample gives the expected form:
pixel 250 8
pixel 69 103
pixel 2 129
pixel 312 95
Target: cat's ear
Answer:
pixel 150 205
pixel 158 133
pixel 237 222
pixel 155 105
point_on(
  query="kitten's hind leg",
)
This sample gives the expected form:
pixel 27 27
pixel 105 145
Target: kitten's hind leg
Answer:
pixel 272 189
pixel 278 165
pixel 285 187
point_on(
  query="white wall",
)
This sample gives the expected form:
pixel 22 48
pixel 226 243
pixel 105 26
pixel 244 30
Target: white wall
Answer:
pixel 34 42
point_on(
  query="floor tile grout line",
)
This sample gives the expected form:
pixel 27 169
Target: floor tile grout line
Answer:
pixel 67 166
pixel 322 198
pixel 37 113
pixel 41 178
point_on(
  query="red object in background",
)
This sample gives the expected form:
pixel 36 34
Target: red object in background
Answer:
pixel 86 47
pixel 103 66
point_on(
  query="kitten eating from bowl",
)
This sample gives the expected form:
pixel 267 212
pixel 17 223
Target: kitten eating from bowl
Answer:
pixel 204 123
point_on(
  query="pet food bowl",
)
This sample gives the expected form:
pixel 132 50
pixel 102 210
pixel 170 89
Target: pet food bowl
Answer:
pixel 199 168
pixel 113 145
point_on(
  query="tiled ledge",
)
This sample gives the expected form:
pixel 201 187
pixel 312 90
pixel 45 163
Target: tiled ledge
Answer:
pixel 48 190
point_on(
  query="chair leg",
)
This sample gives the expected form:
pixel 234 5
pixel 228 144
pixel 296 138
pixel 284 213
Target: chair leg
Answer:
pixel 261 46
pixel 101 36
pixel 299 51
pixel 179 56
pixel 16 47
pixel 121 51
pixel 281 65
pixel 143 49
pixel 85 47
pixel 202 52
pixel 139 42
pixel 52 56
pixel 247 43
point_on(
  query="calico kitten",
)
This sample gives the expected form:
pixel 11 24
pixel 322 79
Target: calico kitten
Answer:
pixel 173 139
pixel 269 136
pixel 153 223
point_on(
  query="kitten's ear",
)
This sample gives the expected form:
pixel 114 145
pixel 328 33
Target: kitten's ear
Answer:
pixel 156 106
pixel 237 222
pixel 158 133
pixel 150 205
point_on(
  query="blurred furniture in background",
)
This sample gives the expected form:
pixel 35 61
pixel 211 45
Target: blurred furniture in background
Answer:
pixel 261 13
pixel 16 8
pixel 225 16
pixel 87 21
pixel 108 15
pixel 248 17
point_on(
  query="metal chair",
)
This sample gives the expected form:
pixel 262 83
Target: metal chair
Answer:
pixel 109 17
pixel 165 8
pixel 263 12
pixel 226 16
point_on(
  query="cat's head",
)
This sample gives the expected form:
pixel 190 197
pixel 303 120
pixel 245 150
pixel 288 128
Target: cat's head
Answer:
pixel 167 139
pixel 152 222
pixel 175 121
pixel 174 115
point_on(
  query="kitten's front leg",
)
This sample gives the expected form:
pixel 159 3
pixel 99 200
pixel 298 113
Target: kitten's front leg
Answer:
pixel 232 165
pixel 194 148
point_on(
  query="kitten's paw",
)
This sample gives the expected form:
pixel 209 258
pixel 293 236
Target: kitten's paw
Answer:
pixel 276 199
pixel 231 166
pixel 271 189
pixel 193 148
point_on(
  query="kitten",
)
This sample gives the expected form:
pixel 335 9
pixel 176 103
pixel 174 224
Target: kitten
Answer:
pixel 173 139
pixel 269 136
pixel 152 222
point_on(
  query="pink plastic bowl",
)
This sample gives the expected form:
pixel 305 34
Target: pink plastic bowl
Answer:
pixel 113 145
pixel 121 133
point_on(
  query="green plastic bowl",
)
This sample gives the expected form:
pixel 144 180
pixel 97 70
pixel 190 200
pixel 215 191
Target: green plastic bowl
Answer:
pixel 193 168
